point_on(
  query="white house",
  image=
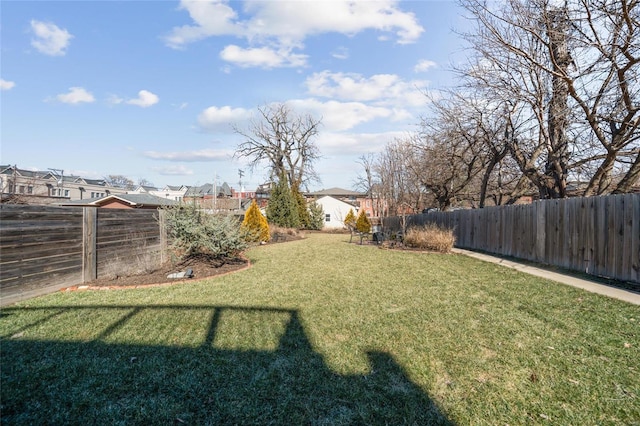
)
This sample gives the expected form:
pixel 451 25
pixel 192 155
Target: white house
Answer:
pixel 335 211
pixel 169 192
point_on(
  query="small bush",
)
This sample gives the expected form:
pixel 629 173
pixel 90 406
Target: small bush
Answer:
pixel 350 220
pixel 255 226
pixel 193 232
pixel 430 237
pixel 362 223
pixel 316 214
pixel 292 232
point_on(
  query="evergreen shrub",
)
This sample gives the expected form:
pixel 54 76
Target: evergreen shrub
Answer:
pixel 350 219
pixel 316 215
pixel 282 209
pixel 362 223
pixel 255 226
pixel 193 232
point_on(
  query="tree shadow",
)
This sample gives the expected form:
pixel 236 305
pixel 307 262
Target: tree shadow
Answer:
pixel 103 382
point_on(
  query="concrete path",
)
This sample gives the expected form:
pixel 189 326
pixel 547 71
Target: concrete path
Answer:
pixel 592 286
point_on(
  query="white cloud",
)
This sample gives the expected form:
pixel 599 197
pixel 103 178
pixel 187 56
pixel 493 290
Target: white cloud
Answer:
pixel 424 65
pixel 49 38
pixel 286 24
pixel 6 85
pixel 115 100
pixel 340 53
pixel 191 156
pixel 264 57
pixel 76 95
pixel 382 89
pixel 173 170
pixel 211 18
pixel 221 119
pixel 339 116
pixel 145 99
pixel 347 144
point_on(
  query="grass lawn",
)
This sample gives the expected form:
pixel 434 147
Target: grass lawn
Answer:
pixel 324 332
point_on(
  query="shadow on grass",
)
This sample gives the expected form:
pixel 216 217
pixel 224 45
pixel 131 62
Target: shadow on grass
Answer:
pixel 102 381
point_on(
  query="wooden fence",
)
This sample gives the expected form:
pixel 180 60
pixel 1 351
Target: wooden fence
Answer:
pixel 45 248
pixel 596 235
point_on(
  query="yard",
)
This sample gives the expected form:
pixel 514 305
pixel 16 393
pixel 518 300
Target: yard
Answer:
pixel 319 331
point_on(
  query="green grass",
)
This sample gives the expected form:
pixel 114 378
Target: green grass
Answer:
pixel 320 331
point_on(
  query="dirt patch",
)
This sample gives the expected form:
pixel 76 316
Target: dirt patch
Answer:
pixel 201 266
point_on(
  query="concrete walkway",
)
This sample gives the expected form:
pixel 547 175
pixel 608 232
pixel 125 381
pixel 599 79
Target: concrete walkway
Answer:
pixel 592 286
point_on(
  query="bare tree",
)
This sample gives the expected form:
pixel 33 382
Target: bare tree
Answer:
pixel 398 186
pixel 120 181
pixel 284 140
pixel 145 182
pixel 369 182
pixel 571 73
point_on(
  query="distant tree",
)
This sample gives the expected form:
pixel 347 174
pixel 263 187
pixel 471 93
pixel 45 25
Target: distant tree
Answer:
pixel 303 209
pixel 350 219
pixel 316 214
pixel 255 225
pixel 282 209
pixel 369 182
pixel 144 182
pixel 120 181
pixel 284 140
pixel 362 223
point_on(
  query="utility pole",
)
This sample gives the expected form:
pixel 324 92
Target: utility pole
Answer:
pixel 240 174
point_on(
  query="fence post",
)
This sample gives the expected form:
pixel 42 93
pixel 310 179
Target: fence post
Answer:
pixel 541 231
pixel 89 238
pixel 162 220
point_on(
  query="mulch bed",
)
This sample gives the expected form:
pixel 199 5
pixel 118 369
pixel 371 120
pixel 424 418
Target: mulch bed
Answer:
pixel 202 267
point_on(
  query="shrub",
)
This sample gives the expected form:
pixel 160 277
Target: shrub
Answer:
pixel 255 226
pixel 304 217
pixel 430 237
pixel 316 215
pixel 292 232
pixel 362 223
pixel 282 209
pixel 193 232
pixel 350 219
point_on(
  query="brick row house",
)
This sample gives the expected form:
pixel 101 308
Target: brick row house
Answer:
pixel 49 187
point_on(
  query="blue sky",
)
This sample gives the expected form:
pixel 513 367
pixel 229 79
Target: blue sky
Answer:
pixel 151 89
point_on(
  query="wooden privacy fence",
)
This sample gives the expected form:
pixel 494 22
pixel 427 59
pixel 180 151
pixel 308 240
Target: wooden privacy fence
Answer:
pixel 45 248
pixel 596 235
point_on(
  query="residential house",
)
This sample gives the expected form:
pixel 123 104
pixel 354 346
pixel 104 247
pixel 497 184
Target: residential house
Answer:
pixel 47 187
pixel 223 200
pixel 335 211
pixel 122 201
pixel 172 192
pixel 370 205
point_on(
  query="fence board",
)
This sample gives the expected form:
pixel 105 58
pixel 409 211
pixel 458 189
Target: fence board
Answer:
pixel 596 235
pixel 43 248
pixel 635 243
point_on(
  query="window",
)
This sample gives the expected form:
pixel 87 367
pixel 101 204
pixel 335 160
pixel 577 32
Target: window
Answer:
pixel 29 189
pixel 21 189
pixel 327 218
pixel 66 192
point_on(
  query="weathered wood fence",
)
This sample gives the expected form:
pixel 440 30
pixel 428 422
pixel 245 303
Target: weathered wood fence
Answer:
pixel 596 235
pixel 45 248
